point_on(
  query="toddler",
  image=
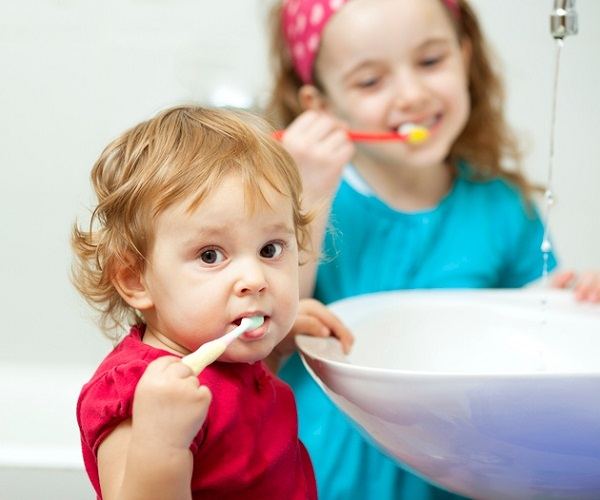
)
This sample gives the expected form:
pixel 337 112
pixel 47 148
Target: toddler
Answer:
pixel 198 225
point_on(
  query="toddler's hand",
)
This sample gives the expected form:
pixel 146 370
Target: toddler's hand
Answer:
pixel 169 405
pixel 313 318
pixel 586 286
pixel 319 144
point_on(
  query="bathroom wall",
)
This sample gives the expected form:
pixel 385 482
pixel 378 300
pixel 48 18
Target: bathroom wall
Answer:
pixel 74 73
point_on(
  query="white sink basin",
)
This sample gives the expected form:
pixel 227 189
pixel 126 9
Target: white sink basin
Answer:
pixel 493 394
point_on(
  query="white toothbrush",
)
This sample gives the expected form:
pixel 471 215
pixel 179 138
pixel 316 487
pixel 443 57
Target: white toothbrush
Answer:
pixel 209 352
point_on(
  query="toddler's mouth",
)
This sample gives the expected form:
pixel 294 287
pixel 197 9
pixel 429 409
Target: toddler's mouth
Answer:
pixel 258 332
pixel 238 321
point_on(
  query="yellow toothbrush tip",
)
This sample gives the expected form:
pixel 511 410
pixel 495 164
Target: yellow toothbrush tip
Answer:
pixel 417 135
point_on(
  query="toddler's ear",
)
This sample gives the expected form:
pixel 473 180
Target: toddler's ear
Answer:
pixel 129 283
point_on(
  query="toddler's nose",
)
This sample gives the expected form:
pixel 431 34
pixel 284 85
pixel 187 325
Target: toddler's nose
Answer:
pixel 251 278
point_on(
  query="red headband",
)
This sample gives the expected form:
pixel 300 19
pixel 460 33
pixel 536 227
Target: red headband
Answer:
pixel 303 24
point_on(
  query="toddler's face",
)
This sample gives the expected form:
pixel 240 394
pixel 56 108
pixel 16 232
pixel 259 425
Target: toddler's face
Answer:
pixel 212 266
pixel 384 63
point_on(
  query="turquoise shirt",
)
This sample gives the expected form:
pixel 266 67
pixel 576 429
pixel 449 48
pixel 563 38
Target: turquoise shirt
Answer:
pixel 481 235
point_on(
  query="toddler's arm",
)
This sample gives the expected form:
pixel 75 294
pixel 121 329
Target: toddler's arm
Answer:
pixel 313 318
pixel 148 456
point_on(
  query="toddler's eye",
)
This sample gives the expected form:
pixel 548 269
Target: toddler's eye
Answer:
pixel 211 256
pixel 271 250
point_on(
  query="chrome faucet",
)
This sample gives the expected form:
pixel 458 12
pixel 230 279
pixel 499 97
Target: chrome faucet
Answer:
pixel 563 20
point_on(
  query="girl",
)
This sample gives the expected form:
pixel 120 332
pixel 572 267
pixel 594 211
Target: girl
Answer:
pixel 453 211
pixel 198 225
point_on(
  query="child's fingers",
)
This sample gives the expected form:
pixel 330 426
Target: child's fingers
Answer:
pixel 169 396
pixel 204 400
pixel 310 325
pixel 588 287
pixel 170 368
pixel 167 377
pixel 341 332
pixel 563 279
pixel 327 321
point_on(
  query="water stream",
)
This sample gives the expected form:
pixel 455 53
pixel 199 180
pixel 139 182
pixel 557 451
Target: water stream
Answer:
pixel 546 246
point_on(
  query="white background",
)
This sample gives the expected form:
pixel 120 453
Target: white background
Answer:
pixel 75 73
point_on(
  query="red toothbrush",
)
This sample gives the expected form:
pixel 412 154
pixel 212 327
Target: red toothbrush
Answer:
pixel 415 135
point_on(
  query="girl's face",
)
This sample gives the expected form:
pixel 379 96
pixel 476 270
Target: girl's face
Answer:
pixel 384 63
pixel 213 266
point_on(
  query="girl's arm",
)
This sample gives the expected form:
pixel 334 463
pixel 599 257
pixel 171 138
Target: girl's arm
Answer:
pixel 320 146
pixel 148 456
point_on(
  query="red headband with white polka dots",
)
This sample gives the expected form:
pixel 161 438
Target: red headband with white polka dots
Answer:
pixel 303 24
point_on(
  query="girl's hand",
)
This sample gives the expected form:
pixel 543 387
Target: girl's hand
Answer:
pixel 319 144
pixel 586 286
pixel 169 404
pixel 315 319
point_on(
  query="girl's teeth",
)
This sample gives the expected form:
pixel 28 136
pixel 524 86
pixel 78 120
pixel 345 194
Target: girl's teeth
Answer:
pixel 413 132
pixel 406 128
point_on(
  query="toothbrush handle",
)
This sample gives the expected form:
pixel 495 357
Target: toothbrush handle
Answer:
pixel 204 355
pixel 375 136
pixel 209 352
pixel 357 136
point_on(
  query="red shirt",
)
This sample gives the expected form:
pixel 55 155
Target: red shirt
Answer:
pixel 247 448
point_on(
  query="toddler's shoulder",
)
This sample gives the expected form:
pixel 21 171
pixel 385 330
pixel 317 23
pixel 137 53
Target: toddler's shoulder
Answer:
pixel 107 398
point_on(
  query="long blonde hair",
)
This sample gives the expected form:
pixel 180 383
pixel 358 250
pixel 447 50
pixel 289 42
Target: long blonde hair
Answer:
pixel 487 142
pixel 178 155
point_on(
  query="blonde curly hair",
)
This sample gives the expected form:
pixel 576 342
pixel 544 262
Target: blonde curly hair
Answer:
pixel 180 154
